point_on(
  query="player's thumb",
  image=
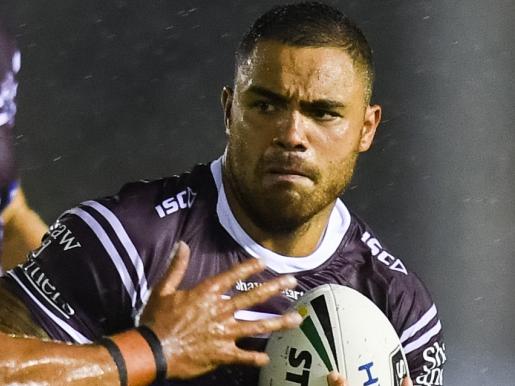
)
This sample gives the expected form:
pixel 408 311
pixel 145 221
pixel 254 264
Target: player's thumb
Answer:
pixel 407 382
pixel 179 257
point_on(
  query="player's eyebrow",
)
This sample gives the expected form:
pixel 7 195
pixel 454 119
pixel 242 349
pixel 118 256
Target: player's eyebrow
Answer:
pixel 324 104
pixel 269 94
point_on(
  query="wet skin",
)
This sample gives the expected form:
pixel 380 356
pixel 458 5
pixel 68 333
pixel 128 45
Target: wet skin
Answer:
pixel 296 121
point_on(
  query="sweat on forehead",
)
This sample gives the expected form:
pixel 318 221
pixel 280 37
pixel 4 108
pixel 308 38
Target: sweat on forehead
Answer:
pixel 310 24
pixel 308 73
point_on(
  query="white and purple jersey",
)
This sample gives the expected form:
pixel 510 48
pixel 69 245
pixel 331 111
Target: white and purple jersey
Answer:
pixel 93 271
pixel 9 67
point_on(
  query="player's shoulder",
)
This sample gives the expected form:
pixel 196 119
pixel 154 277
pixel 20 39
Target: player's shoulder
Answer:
pixel 151 214
pixel 365 246
pixel 162 197
pixel 385 276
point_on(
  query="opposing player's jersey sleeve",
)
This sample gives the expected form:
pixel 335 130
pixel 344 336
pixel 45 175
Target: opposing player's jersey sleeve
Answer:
pixel 415 317
pixel 9 67
pixel 93 271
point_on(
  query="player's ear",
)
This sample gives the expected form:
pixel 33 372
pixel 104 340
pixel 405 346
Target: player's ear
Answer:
pixel 371 121
pixel 226 99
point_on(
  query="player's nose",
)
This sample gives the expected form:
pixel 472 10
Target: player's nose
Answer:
pixel 291 132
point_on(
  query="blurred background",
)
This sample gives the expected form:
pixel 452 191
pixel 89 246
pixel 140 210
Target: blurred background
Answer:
pixel 114 91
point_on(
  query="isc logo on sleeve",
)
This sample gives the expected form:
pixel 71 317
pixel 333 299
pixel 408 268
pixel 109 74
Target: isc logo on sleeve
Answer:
pixel 384 257
pixel 181 200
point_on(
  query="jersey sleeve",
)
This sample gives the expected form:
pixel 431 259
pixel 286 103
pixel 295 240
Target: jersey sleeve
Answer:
pixel 9 67
pixel 415 317
pixel 93 272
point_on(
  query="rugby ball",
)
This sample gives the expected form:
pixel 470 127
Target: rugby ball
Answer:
pixel 342 330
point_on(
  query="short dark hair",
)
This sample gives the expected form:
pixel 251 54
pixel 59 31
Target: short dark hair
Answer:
pixel 310 24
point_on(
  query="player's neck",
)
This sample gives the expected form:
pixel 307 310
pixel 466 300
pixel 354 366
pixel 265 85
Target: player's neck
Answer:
pixel 298 242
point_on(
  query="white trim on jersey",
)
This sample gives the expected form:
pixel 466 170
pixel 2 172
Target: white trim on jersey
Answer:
pixel 423 339
pixel 420 324
pixel 126 241
pixel 250 315
pixel 339 222
pixel 110 249
pixel 253 315
pixel 4 118
pixel 74 334
pixel 45 296
pixel 8 90
pixel 16 62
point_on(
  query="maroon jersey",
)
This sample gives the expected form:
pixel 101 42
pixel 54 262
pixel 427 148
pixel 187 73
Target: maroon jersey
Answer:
pixel 92 274
pixel 9 67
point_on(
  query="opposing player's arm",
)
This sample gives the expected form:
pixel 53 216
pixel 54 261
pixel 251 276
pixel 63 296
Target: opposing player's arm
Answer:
pixel 23 230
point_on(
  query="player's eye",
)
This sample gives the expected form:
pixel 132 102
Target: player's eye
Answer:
pixel 324 115
pixel 264 107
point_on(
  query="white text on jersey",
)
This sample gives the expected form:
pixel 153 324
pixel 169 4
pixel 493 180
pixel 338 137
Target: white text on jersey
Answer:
pixel 56 232
pixel 39 281
pixel 433 372
pixel 248 285
pixel 384 257
pixel 181 200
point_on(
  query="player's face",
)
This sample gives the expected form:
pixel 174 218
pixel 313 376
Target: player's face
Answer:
pixel 296 122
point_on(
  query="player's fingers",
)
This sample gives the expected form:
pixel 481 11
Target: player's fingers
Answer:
pixel 407 382
pixel 180 257
pixel 225 280
pixel 262 293
pixel 267 326
pixel 335 379
pixel 242 357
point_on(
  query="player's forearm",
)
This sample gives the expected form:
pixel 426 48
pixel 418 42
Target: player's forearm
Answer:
pixel 28 360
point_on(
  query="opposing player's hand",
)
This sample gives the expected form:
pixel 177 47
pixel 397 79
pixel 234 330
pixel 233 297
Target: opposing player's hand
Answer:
pixel 197 328
pixel 335 379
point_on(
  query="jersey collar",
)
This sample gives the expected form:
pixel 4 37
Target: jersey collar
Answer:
pixel 339 223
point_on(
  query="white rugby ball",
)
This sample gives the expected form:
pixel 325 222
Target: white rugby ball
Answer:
pixel 342 330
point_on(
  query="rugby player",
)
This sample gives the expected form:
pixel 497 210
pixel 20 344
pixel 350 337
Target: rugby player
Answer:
pixel 296 119
pixel 25 360
pixel 21 229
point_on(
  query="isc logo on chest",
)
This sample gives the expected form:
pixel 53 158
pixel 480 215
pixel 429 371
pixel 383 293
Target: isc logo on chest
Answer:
pixel 181 200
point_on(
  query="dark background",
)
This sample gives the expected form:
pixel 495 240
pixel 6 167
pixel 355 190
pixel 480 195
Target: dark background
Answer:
pixel 113 91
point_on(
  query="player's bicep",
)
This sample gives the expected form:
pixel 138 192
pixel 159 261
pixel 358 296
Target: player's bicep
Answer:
pixel 15 318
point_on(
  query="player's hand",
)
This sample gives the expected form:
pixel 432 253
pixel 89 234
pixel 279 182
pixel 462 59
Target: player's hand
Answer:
pixel 197 328
pixel 335 379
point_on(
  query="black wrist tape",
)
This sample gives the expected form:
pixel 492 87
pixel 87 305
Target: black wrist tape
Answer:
pixel 157 349
pixel 118 359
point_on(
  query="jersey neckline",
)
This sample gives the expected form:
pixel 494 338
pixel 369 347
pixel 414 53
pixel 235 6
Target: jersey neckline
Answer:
pixel 339 222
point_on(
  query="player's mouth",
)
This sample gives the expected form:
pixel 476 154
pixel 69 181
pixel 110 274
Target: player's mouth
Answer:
pixel 287 174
